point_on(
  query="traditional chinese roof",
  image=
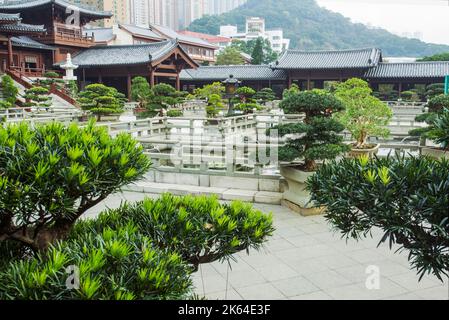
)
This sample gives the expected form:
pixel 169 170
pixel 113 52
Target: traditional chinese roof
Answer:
pixel 436 69
pixel 241 72
pixel 337 59
pixel 207 37
pixel 9 18
pixel 27 42
pixel 123 55
pixel 21 28
pixel 100 34
pixel 141 31
pixel 168 33
pixel 33 4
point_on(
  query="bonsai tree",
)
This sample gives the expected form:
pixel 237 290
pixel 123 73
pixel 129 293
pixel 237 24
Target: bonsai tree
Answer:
pixel 293 90
pixel 209 89
pixel 434 89
pixel 410 95
pixel 247 108
pixel 52 174
pixel 214 104
pixel 199 228
pixel 435 107
pixel 439 130
pixel 405 197
pixel 265 95
pixel 38 97
pixel 115 264
pixel 101 100
pixel 246 94
pixel 10 92
pixel 51 78
pixel 364 114
pixel 317 137
pixel 141 91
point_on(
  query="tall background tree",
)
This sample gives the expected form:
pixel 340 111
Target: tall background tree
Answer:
pixel 259 49
pixel 258 54
pixel 229 56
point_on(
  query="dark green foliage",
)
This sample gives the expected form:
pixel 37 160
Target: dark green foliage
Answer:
pixel 141 91
pixel 114 264
pixel 405 197
pixel 439 130
pixel 310 27
pixel 101 100
pixel 247 107
pixel 38 97
pixel 434 90
pixel 257 53
pixel 246 94
pixel 319 139
pixel 214 104
pixel 436 105
pixel 265 95
pixel 51 174
pixel 437 57
pixel 198 228
pixel 10 92
pixel 174 113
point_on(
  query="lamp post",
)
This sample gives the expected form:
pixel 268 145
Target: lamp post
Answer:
pixel 231 85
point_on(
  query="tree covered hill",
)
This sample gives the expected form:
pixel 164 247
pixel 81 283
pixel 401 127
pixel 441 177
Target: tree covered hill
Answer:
pixel 311 27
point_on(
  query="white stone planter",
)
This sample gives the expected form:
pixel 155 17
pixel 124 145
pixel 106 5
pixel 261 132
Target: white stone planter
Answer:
pixel 296 197
pixel 435 153
pixel 355 153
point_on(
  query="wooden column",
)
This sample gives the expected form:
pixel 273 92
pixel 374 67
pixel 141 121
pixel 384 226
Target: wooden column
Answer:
pixel 399 89
pixel 178 82
pixel 151 76
pixel 10 56
pixel 100 77
pixel 129 81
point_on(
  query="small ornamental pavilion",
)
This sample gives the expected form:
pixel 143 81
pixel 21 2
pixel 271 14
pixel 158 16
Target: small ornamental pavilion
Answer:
pixel 116 65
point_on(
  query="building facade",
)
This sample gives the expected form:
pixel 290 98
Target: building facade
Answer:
pixel 120 10
pixel 255 28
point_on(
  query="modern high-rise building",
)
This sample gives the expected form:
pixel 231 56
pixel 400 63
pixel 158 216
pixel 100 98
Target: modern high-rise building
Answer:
pixel 139 12
pixel 119 9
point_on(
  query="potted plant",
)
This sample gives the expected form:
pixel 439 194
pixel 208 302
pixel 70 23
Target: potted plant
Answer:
pixel 436 129
pixel 315 139
pixel 364 115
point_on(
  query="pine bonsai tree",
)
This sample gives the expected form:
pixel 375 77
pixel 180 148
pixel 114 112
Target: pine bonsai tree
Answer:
pixel 101 100
pixel 265 95
pixel 316 138
pixel 38 97
pixel 141 91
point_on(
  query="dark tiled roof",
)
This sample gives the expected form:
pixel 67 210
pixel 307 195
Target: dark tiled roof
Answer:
pixel 140 31
pixel 27 4
pixel 9 17
pixel 244 72
pixel 100 34
pixel 27 42
pixel 409 70
pixel 123 55
pixel 21 28
pixel 341 59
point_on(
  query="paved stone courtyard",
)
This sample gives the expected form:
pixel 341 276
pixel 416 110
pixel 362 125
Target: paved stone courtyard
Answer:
pixel 306 260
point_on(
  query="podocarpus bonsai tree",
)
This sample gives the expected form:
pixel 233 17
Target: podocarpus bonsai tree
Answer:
pixel 114 264
pixel 141 91
pixel 38 97
pixel 317 137
pixel 101 100
pixel 10 92
pixel 405 197
pixel 364 115
pixel 199 228
pixel 214 104
pixel 51 174
pixel 246 94
pixel 265 95
pixel 209 89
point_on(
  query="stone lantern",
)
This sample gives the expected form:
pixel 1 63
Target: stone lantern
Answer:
pixel 68 66
pixel 231 86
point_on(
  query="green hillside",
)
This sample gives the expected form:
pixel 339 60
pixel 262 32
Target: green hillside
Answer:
pixel 311 27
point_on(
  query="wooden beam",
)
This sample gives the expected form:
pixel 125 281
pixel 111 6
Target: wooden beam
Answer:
pixel 165 66
pixel 165 74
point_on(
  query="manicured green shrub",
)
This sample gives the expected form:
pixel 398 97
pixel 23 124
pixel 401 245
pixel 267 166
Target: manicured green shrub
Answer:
pixel 51 174
pixel 439 129
pixel 435 106
pixel 214 104
pixel 38 97
pixel 265 95
pixel 141 91
pixel 246 94
pixel 318 138
pixel 115 264
pixel 364 114
pixel 199 228
pixel 434 90
pixel 410 96
pixel 101 100
pixel 210 89
pixel 293 90
pixel 247 107
pixel 405 197
pixel 174 113
pixel 10 92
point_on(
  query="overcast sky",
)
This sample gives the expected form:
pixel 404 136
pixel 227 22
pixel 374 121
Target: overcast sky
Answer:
pixel 429 18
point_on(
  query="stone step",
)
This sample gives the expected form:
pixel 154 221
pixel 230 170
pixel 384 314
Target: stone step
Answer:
pixel 264 197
